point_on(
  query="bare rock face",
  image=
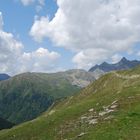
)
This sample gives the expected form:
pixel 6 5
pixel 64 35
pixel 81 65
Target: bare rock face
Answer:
pixel 80 77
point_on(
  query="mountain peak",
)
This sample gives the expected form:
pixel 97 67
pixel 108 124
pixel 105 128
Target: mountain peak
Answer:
pixel 124 60
pixel 104 63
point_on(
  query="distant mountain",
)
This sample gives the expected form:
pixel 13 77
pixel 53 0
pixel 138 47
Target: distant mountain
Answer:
pixel 25 96
pixel 123 64
pixel 4 77
pixel 4 124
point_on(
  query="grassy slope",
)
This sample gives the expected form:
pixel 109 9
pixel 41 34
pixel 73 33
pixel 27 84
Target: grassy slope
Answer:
pixel 25 96
pixel 64 120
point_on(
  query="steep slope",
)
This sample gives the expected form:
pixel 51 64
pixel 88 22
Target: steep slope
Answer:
pixel 4 77
pixel 123 64
pixel 4 124
pixel 25 96
pixel 108 109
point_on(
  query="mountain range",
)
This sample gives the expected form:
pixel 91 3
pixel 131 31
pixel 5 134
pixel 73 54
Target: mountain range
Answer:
pixel 25 96
pixel 123 64
pixel 107 109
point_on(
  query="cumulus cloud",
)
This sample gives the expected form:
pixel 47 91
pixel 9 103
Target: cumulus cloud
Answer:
pixel 94 29
pixel 14 60
pixel 39 60
pixel 116 58
pixel 85 58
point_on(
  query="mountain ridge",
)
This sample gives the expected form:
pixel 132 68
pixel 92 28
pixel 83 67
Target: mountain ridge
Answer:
pixel 123 64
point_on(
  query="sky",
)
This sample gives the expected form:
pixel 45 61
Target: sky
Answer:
pixel 56 35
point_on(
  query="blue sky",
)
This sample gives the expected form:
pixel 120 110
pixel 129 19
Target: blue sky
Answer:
pixel 18 20
pixel 73 38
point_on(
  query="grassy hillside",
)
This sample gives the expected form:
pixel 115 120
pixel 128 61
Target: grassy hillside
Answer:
pixel 25 96
pixel 108 109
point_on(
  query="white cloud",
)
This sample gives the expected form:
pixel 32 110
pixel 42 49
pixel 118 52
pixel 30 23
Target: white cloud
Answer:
pixel 14 60
pixel 39 60
pixel 116 58
pixel 91 26
pixel 86 58
pixel 27 2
